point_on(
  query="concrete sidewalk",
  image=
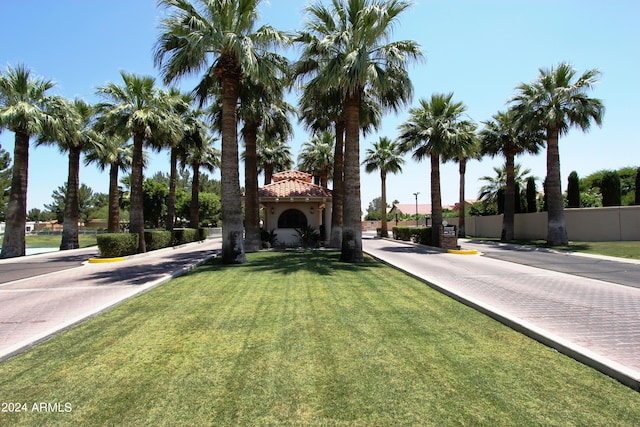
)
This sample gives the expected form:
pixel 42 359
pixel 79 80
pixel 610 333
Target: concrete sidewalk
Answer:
pixel 595 322
pixel 52 292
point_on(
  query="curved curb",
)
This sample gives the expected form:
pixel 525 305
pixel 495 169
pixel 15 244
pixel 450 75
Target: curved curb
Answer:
pixel 105 260
pixel 463 251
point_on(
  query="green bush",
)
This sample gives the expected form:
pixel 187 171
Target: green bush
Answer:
pixel 185 235
pixel 415 234
pixel 113 245
pixel 269 238
pixel 309 237
pixel 203 233
pixel 157 239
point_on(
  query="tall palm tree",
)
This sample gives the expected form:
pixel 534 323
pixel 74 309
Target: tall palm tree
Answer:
pixel 346 47
pixel 74 136
pixel 436 129
pixel 218 37
pixel 554 102
pixel 199 153
pixel 467 153
pixel 180 104
pixel 505 135
pixel 316 157
pixel 112 152
pixel 386 157
pixel 273 155
pixel 24 103
pixel 136 109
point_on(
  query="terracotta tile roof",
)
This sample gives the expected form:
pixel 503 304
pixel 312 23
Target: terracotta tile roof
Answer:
pixel 292 187
pixel 302 176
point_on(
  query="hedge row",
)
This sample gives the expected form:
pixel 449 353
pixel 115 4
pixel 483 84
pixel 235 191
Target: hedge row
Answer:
pixel 413 234
pixel 121 244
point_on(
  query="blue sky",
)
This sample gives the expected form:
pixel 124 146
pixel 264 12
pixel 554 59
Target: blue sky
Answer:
pixel 478 49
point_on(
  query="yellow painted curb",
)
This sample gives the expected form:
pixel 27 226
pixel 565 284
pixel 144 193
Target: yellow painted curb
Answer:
pixel 463 251
pixel 103 260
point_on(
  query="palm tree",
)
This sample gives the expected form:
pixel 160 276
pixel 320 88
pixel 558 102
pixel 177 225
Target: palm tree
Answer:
pixel 316 157
pixel 436 129
pixel 137 110
pixel 273 155
pixel 219 37
pixel 114 153
pixel 74 136
pixel 23 110
pixel 493 192
pixel 180 104
pixel 346 48
pixel 554 102
pixel 505 135
pixel 472 151
pixel 198 152
pixel 385 157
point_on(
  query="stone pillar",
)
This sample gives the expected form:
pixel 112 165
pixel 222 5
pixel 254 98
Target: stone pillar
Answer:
pixel 448 237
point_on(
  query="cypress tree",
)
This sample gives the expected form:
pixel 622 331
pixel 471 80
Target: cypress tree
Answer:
pixel 532 191
pixel 610 188
pixel 573 190
pixel 637 188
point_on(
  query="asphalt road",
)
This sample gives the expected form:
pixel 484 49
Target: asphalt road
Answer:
pixel 623 272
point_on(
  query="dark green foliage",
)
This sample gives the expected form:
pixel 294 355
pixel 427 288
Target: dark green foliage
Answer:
pixel 154 199
pixel 182 236
pixel 309 237
pixel 157 239
pixel 532 193
pixel 269 238
pixel 637 187
pixel 610 187
pixel 113 245
pixel 203 233
pixel 573 190
pixel 414 234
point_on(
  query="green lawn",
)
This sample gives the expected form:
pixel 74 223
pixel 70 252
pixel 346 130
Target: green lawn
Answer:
pixel 620 249
pixel 297 338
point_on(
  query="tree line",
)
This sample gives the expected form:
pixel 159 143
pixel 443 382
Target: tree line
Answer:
pixel 349 71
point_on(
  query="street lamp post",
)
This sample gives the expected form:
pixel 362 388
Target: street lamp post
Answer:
pixel 416 194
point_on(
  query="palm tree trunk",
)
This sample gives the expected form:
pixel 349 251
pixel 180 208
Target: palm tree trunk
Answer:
pixel 194 208
pixel 13 244
pixel 252 240
pixel 462 167
pixel 268 173
pixel 231 200
pixel 509 199
pixel 71 205
pixel 171 199
pixel 436 200
pixel 383 225
pixel 114 207
pixel 338 186
pixel 136 214
pixel 556 230
pixel 352 228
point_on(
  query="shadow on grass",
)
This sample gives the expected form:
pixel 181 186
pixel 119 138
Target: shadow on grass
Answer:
pixel 322 263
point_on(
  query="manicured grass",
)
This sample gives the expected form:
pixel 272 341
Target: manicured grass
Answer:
pixel 53 241
pixel 624 249
pixel 297 338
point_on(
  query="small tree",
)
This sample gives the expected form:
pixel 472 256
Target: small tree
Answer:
pixel 611 195
pixel 532 193
pixel 573 190
pixel 637 187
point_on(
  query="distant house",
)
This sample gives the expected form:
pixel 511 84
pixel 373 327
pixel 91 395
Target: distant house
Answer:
pixel 292 201
pixel 408 209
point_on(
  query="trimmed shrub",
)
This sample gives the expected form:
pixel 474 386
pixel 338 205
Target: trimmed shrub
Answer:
pixel 610 188
pixel 414 234
pixel 113 245
pixel 185 235
pixel 157 239
pixel 573 190
pixel 203 233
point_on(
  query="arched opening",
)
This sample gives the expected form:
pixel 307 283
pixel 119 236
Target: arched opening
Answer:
pixel 292 218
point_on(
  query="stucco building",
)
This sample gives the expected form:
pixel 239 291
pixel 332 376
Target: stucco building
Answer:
pixel 292 201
